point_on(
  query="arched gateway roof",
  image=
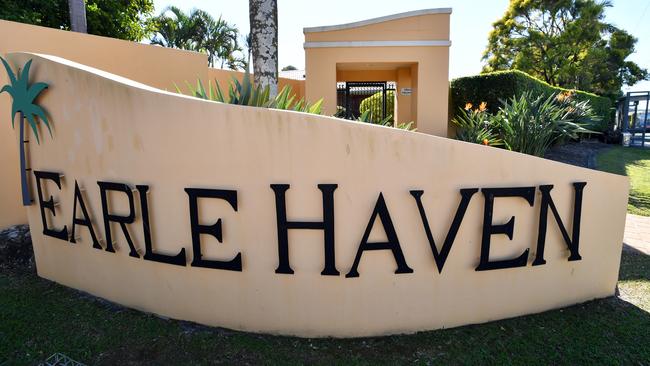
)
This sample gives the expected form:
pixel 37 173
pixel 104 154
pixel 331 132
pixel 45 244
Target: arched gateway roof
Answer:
pixel 377 20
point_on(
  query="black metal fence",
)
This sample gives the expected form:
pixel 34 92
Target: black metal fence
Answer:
pixel 354 98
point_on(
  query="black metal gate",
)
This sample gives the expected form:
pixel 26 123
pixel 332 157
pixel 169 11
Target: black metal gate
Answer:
pixel 353 98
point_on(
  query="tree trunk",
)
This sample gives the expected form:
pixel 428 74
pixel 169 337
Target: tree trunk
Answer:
pixel 27 199
pixel 78 16
pixel 264 41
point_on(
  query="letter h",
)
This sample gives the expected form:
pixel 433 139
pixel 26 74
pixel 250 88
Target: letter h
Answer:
pixel 327 225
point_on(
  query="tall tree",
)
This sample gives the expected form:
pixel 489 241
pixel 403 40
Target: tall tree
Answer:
pixel 264 42
pixel 78 16
pixel 124 19
pixel 566 43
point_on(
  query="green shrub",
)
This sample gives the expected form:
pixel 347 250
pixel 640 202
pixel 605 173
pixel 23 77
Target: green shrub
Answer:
pixel 476 126
pixel 374 104
pixel 503 85
pixel 581 111
pixel 529 123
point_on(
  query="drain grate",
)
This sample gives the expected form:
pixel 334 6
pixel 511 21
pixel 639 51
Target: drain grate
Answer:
pixel 59 359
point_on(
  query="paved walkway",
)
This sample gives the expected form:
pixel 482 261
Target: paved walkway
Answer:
pixel 637 233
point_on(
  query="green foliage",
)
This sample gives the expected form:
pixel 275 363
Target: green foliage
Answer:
pixel 23 95
pixel 286 100
pixel 494 87
pixel 246 93
pixel 367 116
pixel 530 123
pixel 408 126
pixel 374 105
pixel 199 31
pixel 46 13
pixel 130 20
pixel 581 112
pixel 566 43
pixel 386 122
pixel 476 126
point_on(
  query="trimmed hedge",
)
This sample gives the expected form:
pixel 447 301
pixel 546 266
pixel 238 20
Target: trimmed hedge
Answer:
pixel 375 104
pixel 501 85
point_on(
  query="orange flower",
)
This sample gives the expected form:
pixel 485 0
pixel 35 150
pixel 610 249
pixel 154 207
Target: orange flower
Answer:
pixel 486 142
pixel 468 106
pixel 482 107
pixel 565 95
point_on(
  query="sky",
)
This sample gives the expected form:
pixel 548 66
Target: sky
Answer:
pixel 471 21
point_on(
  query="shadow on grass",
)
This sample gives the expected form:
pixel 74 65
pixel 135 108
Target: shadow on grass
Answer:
pixel 635 265
pixel 39 318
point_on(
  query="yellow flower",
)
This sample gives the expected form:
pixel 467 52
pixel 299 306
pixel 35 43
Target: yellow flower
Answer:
pixel 486 142
pixel 468 106
pixel 482 107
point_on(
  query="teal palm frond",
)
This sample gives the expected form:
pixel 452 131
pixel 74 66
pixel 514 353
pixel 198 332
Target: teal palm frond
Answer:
pixel 23 95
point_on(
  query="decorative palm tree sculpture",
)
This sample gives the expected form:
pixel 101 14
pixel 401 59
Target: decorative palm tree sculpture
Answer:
pixel 23 96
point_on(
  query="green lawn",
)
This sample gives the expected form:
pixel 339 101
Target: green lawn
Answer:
pixel 39 318
pixel 635 163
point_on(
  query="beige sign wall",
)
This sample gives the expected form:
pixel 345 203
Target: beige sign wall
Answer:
pixel 114 130
pixel 135 61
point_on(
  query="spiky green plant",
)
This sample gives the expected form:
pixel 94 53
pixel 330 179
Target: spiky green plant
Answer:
pixel 23 96
pixel 476 126
pixel 406 126
pixel 531 124
pixel 388 121
pixel 245 93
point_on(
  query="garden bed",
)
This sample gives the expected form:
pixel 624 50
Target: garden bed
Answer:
pixel 577 153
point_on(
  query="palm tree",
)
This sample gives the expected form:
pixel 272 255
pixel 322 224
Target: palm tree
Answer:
pixel 249 46
pixel 175 29
pixel 23 96
pixel 77 16
pixel 219 39
pixel 199 31
pixel 264 41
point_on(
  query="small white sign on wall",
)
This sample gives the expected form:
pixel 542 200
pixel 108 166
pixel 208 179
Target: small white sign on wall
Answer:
pixel 405 91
